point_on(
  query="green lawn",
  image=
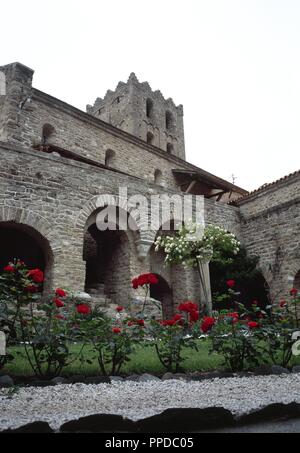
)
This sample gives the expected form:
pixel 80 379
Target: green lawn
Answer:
pixel 144 360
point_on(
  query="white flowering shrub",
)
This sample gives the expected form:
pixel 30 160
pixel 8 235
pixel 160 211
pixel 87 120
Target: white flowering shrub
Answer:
pixel 191 245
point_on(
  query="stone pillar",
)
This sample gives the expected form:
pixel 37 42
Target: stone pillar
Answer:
pixel 16 104
pixel 69 270
pixel 205 291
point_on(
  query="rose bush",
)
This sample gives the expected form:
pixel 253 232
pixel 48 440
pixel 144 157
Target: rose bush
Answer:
pixel 112 340
pixel 171 336
pixel 276 333
pixel 245 335
pixel 43 325
pixel 19 288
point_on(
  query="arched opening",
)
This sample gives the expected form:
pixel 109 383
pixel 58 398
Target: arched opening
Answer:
pixel 250 282
pixel 107 255
pixel 150 138
pixel 169 120
pixel 19 241
pixel 149 108
pixel 170 148
pixel 157 176
pixel 47 133
pixel 297 281
pixel 162 292
pixel 110 158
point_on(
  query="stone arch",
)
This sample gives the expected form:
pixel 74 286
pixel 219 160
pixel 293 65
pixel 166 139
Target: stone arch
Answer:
pixel 95 204
pixel 110 257
pixel 42 227
pixel 21 241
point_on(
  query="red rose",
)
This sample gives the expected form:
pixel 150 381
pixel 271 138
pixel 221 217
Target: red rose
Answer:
pixel 207 324
pixel 83 309
pixel 116 330
pixel 31 289
pixel 119 308
pixel 254 302
pixel 294 292
pixel 230 283
pixel 135 283
pixel 60 292
pixel 37 275
pixel 188 306
pixel 144 279
pixel 194 315
pixel 177 317
pixel 152 279
pixel 252 325
pixel 59 303
pixel 283 303
pixel 9 268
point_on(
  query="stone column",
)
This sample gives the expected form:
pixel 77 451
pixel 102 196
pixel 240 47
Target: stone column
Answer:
pixel 205 291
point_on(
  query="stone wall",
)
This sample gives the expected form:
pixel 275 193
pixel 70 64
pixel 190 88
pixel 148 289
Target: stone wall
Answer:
pixel 270 222
pixel 135 108
pixel 57 197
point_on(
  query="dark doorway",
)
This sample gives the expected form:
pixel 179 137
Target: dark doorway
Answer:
pixel 162 292
pixel 19 241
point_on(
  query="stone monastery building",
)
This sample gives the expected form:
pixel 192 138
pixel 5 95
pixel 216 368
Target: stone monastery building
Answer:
pixel 59 163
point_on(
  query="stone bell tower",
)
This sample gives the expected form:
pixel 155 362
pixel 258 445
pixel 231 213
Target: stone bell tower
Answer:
pixel 136 109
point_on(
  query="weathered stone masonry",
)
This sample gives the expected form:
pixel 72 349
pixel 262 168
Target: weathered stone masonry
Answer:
pixel 57 162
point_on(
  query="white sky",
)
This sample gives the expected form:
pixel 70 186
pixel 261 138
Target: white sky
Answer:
pixel 233 64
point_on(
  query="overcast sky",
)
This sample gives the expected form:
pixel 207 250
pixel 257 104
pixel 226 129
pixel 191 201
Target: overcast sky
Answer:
pixel 233 64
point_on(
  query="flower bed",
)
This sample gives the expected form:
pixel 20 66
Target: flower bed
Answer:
pixel 242 337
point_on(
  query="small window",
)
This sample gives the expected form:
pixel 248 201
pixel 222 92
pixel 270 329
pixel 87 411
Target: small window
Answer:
pixel 169 120
pixel 150 138
pixel 157 176
pixel 170 148
pixel 149 108
pixel 110 158
pixel 48 133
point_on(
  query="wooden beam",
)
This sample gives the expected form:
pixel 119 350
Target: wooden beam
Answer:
pixel 191 185
pixel 217 194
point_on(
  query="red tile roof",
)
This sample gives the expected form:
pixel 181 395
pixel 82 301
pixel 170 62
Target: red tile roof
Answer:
pixel 264 187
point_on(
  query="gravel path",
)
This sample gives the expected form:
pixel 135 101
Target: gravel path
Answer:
pixel 135 400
